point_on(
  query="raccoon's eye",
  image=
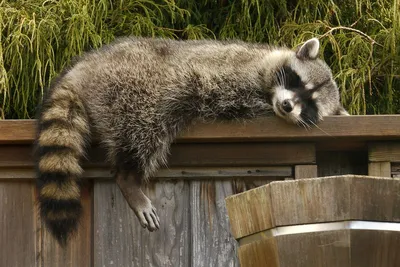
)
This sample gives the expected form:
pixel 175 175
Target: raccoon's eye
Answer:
pixel 292 79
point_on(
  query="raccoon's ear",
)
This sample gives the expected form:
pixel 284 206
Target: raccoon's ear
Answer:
pixel 342 111
pixel 309 50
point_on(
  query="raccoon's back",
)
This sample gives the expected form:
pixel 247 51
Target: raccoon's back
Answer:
pixel 137 75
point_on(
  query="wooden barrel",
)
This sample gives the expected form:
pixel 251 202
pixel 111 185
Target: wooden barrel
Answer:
pixel 331 221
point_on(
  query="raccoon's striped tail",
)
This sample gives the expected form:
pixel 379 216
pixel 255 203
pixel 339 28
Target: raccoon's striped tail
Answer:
pixel 63 133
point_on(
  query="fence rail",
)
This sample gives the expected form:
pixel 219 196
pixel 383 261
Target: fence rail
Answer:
pixel 208 162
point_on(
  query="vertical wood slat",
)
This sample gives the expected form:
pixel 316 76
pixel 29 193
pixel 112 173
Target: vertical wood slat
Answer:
pixel 212 242
pixel 79 248
pixel 380 156
pixel 19 235
pixel 380 169
pixel 119 240
pixel 305 171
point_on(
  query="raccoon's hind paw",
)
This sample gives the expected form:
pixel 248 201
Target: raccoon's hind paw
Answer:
pixel 147 216
pixel 138 201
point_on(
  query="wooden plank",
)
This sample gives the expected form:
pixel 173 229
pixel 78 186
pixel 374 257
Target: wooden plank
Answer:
pixel 317 200
pixel 305 171
pixel 310 201
pixel 316 249
pixel 331 163
pixel 375 248
pixel 384 151
pixel 79 249
pixel 193 155
pixel 260 254
pixel 261 129
pixel 212 243
pixel 242 154
pixel 380 169
pixel 119 240
pixel 19 233
pixel 250 212
pixel 375 199
pixel 395 170
pixel 172 173
pixel 17 131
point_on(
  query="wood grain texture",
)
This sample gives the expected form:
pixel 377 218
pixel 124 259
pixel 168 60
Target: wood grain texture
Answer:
pixel 384 151
pixel 375 199
pixel 315 249
pixel 310 200
pixel 120 241
pixel 242 154
pixel 375 248
pixel 250 212
pixel 212 243
pixel 17 131
pixel 379 169
pixel 331 163
pixel 19 233
pixel 104 173
pixel 191 155
pixel 305 171
pixel 395 170
pixel 79 248
pixel 262 253
pixel 261 129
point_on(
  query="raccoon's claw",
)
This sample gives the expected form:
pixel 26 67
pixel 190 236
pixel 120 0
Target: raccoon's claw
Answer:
pixel 139 202
pixel 148 217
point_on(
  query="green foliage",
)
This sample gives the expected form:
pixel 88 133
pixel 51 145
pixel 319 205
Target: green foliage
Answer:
pixel 360 39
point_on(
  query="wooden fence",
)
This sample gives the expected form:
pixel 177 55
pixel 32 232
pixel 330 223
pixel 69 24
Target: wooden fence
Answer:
pixel 208 163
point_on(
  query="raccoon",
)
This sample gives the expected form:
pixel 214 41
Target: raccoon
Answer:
pixel 137 94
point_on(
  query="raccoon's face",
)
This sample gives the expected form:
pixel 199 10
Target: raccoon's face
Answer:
pixel 304 90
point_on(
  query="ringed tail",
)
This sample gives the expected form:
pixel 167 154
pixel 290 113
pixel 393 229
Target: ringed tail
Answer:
pixel 62 134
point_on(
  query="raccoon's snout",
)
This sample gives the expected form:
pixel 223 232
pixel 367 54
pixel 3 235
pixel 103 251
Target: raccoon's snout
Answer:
pixel 287 106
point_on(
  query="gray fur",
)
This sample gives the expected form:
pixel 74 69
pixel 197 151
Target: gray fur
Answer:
pixel 139 93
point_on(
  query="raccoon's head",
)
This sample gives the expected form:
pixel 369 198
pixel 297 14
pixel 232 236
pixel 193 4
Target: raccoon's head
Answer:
pixel 304 89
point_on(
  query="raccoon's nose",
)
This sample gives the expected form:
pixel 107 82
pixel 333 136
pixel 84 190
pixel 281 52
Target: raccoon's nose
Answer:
pixel 286 106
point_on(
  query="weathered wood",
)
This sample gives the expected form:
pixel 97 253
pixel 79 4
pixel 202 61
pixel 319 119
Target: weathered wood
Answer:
pixel 359 127
pixel 246 154
pixel 250 212
pixel 315 200
pixel 380 169
pixel 193 155
pixel 119 240
pixel 260 254
pixel 261 129
pixel 328 221
pixel 310 200
pixel 384 151
pixel 305 171
pixel 17 131
pixel 331 248
pixel 212 243
pixel 19 233
pixel 79 248
pixel 395 170
pixel 100 173
pixel 331 163
pixel 375 248
pixel 375 199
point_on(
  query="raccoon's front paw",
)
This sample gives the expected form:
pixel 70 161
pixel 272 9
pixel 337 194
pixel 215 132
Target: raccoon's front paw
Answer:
pixel 147 216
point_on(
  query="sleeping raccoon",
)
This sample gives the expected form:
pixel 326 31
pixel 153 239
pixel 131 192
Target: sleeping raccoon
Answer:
pixel 139 93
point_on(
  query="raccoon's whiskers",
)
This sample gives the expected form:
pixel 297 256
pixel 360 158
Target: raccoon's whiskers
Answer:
pixel 283 76
pixel 320 128
pixel 304 124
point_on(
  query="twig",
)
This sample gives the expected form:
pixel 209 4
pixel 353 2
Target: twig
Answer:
pixel 350 29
